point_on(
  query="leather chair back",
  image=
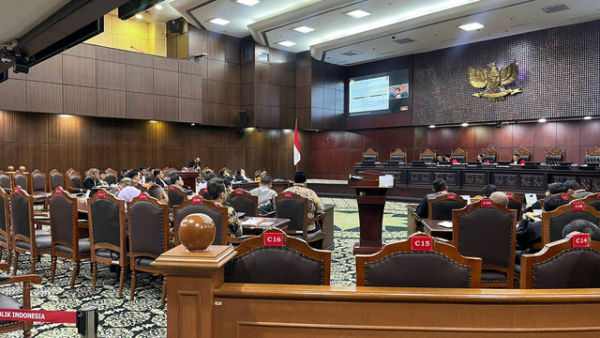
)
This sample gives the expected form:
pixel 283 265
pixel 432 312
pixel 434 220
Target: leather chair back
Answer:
pixel 176 195
pixel 593 200
pixel 293 263
pixel 5 181
pixel 427 159
pixel 592 159
pixel 554 159
pixel 459 158
pixel 397 265
pixel 369 158
pixel 75 181
pixel 489 157
pixel 147 228
pixel 217 214
pixel 554 221
pixel 105 220
pixel 243 201
pixel 561 266
pixel 63 217
pixel 20 211
pixel 294 208
pixel 20 180
pixel 38 180
pixel 515 202
pixel 3 211
pixel 111 178
pixel 398 158
pixel 56 180
pixel 441 207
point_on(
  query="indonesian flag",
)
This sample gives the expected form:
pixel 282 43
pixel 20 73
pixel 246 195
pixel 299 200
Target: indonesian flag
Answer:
pixel 296 145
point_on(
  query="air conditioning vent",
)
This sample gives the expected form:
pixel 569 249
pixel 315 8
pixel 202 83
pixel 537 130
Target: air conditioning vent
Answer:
pixel 403 41
pixel 352 53
pixel 554 9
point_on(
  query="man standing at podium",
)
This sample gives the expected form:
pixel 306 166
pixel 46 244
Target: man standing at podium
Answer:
pixel 439 188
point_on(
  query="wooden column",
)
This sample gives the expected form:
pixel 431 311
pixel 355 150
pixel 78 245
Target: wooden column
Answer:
pixel 191 280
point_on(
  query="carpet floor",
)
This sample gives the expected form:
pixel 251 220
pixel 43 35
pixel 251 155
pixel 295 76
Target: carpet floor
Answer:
pixel 119 317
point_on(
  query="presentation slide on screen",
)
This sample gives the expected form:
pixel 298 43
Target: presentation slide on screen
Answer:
pixel 380 93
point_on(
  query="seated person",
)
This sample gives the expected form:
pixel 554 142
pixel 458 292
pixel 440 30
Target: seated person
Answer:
pixel 500 198
pixel 439 188
pixel 102 178
pixel 266 195
pixel 240 176
pixel 92 180
pixel 159 178
pixel 517 159
pixel 259 174
pixel 579 226
pixel 482 159
pixel 447 158
pixel 575 189
pixel 159 193
pixel 529 230
pixel 439 158
pixel 314 203
pixel 127 192
pixel 218 193
pixel 553 189
pixel 179 182
pixel 135 177
pixel 487 191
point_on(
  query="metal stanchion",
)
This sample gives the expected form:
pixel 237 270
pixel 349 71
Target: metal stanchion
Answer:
pixel 87 322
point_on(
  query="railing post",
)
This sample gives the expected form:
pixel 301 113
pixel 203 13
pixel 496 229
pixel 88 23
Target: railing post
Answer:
pixel 87 322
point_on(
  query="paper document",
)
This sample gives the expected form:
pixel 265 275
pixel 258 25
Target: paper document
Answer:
pixel 446 224
pixel 251 221
pixel 466 198
pixel 386 181
pixel 530 199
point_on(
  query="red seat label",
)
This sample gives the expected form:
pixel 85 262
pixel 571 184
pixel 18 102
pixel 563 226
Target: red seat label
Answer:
pixel 144 196
pixel 510 195
pixel 580 240
pixel 578 206
pixel 57 191
pixel 171 188
pixel 101 193
pixel 451 196
pixel 238 191
pixel 273 239
pixel 197 199
pixel 487 203
pixel 564 197
pixel 287 195
pixel 421 243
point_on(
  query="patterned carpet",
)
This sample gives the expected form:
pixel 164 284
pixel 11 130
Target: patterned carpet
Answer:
pixel 143 318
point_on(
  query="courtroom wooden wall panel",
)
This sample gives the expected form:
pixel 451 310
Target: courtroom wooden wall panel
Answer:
pixel 163 63
pixel 140 106
pixel 44 97
pixel 216 70
pixel 216 46
pixel 190 110
pixel 140 79
pixel 138 59
pixel 111 75
pixel 166 83
pixel 79 100
pixel 79 71
pixel 13 95
pixel 111 103
pixel 190 86
pixel 166 108
pixel 50 70
pixel 82 50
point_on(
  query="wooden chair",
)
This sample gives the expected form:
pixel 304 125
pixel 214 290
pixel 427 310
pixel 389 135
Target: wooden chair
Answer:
pixel 562 265
pixel 57 179
pixel 440 208
pixel 26 239
pixel 295 208
pixel 592 157
pixel 370 156
pixel 293 263
pixel 73 181
pixel 243 201
pixel 515 202
pixel 112 176
pixel 200 205
pixel 397 264
pixel 5 181
pixel 87 172
pixel 65 232
pixel 176 195
pixel 427 156
pixel 555 155
pixel 524 154
pixel 5 231
pixel 554 221
pixel 460 155
pixel 398 156
pixel 148 237
pixel 487 230
pixel 593 200
pixel 108 242
pixel 22 180
pixel 7 302
pixel 490 154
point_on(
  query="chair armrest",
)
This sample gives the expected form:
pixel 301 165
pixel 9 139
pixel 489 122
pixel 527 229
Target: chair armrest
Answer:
pixel 238 240
pixel 417 217
pixel 23 279
pixel 4 266
pixel 318 217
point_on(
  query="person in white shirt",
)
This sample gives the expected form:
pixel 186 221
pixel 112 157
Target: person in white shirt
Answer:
pixel 265 194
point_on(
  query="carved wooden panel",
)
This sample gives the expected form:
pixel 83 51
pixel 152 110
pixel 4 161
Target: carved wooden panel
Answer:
pixel 506 180
pixel 451 178
pixel 532 181
pixel 419 177
pixel 475 178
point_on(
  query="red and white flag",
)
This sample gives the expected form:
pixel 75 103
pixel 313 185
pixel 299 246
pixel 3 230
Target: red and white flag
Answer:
pixel 296 145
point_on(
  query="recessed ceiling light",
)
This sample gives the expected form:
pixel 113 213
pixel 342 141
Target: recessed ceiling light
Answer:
pixel 587 118
pixel 304 29
pixel 247 2
pixel 219 21
pixel 158 6
pixel 473 26
pixel 192 124
pixel 542 120
pixel 286 43
pixel 65 115
pixel 152 121
pixel 431 126
pixel 358 13
pixel 139 16
pixel 465 124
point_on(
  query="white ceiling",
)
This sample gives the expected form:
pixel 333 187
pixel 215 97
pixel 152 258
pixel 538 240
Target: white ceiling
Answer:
pixel 18 17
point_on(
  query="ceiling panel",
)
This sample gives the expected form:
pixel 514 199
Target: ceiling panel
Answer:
pixel 19 17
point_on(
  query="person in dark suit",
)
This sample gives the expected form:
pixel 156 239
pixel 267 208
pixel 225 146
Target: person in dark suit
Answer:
pixel 195 164
pixel 240 176
pixel 92 180
pixel 439 188
pixel 159 178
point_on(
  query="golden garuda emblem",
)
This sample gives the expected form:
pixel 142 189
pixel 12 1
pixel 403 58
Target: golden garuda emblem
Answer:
pixel 494 80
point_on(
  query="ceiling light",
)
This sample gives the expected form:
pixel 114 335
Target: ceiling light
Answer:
pixel 286 43
pixel 152 121
pixel 465 124
pixel 587 118
pixel 65 115
pixel 304 29
pixel 192 124
pixel 249 3
pixel 158 6
pixel 358 13
pixel 542 120
pixel 473 26
pixel 431 126
pixel 219 21
pixel 139 16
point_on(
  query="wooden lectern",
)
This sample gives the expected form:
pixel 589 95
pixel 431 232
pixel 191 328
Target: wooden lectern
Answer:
pixel 371 201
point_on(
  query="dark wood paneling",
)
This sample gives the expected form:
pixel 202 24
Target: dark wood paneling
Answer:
pixel 50 70
pixel 190 86
pixel 13 95
pixel 44 97
pixel 111 103
pixel 79 100
pixel 166 83
pixel 140 106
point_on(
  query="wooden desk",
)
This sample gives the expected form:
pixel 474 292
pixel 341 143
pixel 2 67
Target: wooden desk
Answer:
pixel 264 224
pixel 279 187
pixel 328 225
pixel 432 227
pixel 411 219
